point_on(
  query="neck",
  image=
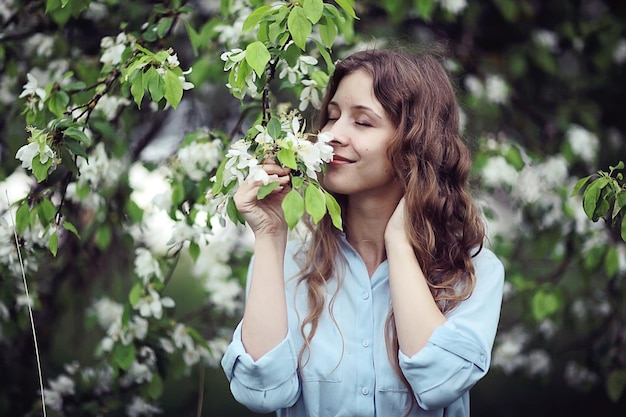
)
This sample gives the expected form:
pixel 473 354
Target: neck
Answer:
pixel 366 221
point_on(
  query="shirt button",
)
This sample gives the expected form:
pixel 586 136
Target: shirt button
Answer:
pixel 366 295
pixel 365 391
pixel 366 343
pixel 482 358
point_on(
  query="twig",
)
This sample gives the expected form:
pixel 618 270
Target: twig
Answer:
pixel 30 309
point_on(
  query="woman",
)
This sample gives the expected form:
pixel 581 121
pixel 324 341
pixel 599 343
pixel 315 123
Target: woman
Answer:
pixel 397 314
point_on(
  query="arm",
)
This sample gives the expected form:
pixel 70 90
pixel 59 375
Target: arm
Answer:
pixel 456 352
pixel 410 295
pixel 264 323
pixel 260 362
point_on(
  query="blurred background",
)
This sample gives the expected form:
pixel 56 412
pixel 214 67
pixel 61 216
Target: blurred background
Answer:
pixel 542 89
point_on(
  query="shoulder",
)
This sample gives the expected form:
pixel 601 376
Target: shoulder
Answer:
pixel 488 269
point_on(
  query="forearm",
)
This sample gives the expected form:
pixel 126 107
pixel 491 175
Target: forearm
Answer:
pixel 416 314
pixel 265 314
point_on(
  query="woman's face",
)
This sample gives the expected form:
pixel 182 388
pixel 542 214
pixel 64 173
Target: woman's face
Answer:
pixel 362 132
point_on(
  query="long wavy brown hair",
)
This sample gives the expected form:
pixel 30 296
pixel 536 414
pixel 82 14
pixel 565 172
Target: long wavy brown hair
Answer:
pixel 432 163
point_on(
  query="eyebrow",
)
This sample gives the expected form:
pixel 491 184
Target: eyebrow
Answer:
pixel 359 107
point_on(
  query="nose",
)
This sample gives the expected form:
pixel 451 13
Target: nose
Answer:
pixel 339 133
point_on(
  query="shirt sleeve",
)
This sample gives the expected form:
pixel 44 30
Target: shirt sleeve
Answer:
pixel 458 352
pixel 264 385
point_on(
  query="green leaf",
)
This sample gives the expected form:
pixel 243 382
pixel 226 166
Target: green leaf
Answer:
pixel 313 10
pixel 217 185
pixel 77 134
pixel 173 88
pixel 233 213
pixel 22 218
pixel 315 203
pixel 194 250
pixel 266 189
pixel 334 210
pixel 135 294
pixel 136 88
pixel 103 237
pixel 591 197
pixel 135 213
pixel 155 387
pixel 41 170
pixel 154 83
pixel 623 228
pixel 287 158
pixel 75 147
pixel 257 56
pixel 425 8
pixel 615 384
pixel 57 103
pixel 53 243
pixel 579 185
pixel 544 304
pixel 347 6
pixel 254 18
pixel 328 32
pixel 163 26
pixel 296 182
pixel 293 207
pixel 330 65
pixel 70 228
pixel 123 355
pixel 46 211
pixel 299 27
pixel 274 129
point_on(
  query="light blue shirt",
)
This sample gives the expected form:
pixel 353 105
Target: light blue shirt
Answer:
pixel 348 372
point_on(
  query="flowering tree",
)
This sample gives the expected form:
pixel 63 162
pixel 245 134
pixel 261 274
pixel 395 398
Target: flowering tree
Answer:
pixel 127 127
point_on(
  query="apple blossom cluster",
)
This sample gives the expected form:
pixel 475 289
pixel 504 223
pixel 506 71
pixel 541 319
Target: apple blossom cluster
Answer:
pixel 38 150
pixel 98 172
pixel 244 156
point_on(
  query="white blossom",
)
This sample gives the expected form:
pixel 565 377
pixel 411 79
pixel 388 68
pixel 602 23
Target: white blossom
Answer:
pixel 547 39
pixel 137 373
pixel 619 53
pixel 138 407
pixel 578 376
pixel 198 158
pixel 310 94
pixel 475 86
pixel 496 89
pixel 537 363
pixel 41 44
pixel 146 266
pixel 453 6
pixel 151 305
pixel 109 105
pixel 498 172
pixel 224 294
pixel 583 143
pixel 53 399
pixel 107 312
pixel 300 69
pixel 114 48
pixel 31 88
pixel 507 354
pixel 63 384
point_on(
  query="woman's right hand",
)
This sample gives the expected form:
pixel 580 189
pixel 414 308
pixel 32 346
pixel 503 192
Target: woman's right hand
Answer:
pixel 265 216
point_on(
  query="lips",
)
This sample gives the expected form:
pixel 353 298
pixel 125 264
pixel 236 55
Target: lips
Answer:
pixel 340 160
